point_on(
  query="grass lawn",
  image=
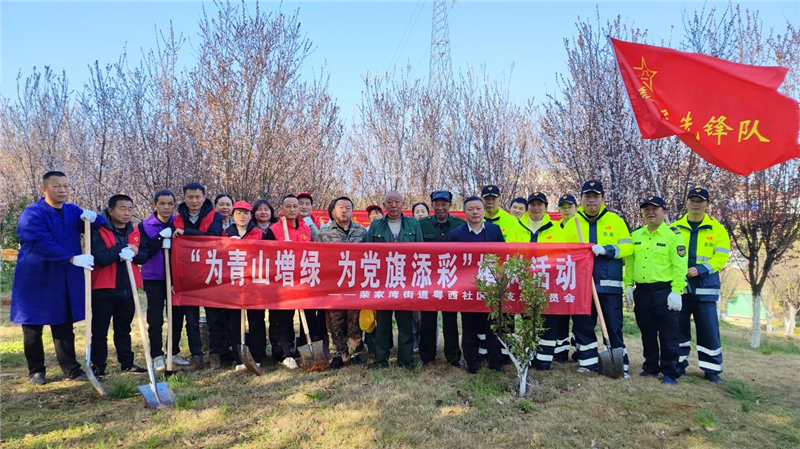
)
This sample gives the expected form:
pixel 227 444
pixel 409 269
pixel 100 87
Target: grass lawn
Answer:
pixel 437 406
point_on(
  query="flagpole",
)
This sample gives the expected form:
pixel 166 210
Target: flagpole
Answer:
pixel 648 161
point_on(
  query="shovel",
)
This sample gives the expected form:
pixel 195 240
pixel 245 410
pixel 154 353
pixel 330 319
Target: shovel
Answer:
pixel 610 360
pixel 87 293
pixel 244 352
pixel 170 369
pixel 312 356
pixel 156 395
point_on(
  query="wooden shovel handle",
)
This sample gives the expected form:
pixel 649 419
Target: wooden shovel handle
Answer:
pixel 142 329
pixel 242 319
pixel 169 309
pixel 594 290
pixel 87 282
pixel 302 312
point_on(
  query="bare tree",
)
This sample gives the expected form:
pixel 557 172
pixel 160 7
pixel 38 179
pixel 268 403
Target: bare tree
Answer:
pixel 785 282
pixel 763 219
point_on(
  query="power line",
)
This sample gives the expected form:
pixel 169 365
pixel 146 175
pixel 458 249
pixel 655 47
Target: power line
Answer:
pixel 407 34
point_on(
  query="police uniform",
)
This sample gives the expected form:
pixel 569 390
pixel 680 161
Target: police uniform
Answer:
pixel 709 247
pixel 657 268
pixel 609 230
pixel 555 338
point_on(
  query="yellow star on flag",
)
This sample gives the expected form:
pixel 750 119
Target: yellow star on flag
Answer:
pixel 646 75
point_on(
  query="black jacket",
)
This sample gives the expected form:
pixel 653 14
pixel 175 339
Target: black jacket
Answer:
pixel 194 228
pixel 104 256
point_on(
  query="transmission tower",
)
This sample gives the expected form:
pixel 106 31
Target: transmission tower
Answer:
pixel 440 77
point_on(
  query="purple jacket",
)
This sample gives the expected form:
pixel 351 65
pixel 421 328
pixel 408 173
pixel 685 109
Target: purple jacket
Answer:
pixel 153 269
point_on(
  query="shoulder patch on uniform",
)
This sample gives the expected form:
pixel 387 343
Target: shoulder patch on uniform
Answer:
pixel 675 230
pixel 681 250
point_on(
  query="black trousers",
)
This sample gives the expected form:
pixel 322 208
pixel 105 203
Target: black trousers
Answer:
pixel 156 302
pixel 281 333
pixel 192 316
pixel 660 328
pixel 63 340
pixel 427 336
pixel 108 306
pixel 218 333
pixel 255 335
pixel 475 329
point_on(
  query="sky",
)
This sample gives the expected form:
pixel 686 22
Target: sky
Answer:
pixel 350 38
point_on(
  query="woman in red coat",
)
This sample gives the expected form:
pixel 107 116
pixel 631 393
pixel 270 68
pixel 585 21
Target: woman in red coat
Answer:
pixel 244 228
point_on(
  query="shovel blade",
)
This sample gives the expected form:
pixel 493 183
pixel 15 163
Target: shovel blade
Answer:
pixel 98 387
pixel 247 359
pixel 164 398
pixel 610 362
pixel 312 357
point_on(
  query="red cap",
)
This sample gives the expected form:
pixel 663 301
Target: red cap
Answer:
pixel 304 195
pixel 372 207
pixel 242 205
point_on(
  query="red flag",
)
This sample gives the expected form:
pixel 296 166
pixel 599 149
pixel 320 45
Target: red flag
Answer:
pixel 730 114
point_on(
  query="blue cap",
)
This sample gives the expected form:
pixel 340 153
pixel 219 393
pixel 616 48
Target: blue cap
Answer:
pixel 537 196
pixel 592 185
pixel 567 198
pixel 490 190
pixel 699 192
pixel 441 195
pixel 653 201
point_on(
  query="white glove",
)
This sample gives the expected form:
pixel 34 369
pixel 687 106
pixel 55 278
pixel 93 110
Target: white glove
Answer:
pixel 598 250
pixel 166 243
pixel 126 254
pixel 236 237
pixel 85 261
pixel 166 233
pixel 89 215
pixel 629 295
pixel 674 302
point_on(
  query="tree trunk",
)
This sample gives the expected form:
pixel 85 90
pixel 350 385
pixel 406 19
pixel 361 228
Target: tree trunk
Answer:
pixel 789 321
pixel 755 338
pixel 523 382
pixel 769 327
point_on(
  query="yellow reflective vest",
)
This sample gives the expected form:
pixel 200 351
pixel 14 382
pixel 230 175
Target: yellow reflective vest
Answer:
pixel 610 231
pixel 513 230
pixel 709 247
pixel 549 232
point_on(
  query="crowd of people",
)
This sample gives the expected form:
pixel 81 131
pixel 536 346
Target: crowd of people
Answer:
pixel 669 274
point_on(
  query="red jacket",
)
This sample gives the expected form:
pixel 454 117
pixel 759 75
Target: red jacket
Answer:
pixel 205 223
pixel 106 277
pixel 298 231
pixel 253 232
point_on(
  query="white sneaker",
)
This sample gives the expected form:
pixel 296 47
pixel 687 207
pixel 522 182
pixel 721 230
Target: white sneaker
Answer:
pixel 180 361
pixel 158 364
pixel 626 376
pixel 290 363
pixel 583 370
pixel 240 368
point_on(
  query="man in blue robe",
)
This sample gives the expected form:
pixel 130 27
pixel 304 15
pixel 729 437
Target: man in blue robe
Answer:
pixel 48 280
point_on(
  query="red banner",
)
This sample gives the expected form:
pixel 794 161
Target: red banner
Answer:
pixel 254 274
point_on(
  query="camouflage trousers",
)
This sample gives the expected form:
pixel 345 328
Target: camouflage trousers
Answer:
pixel 345 332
